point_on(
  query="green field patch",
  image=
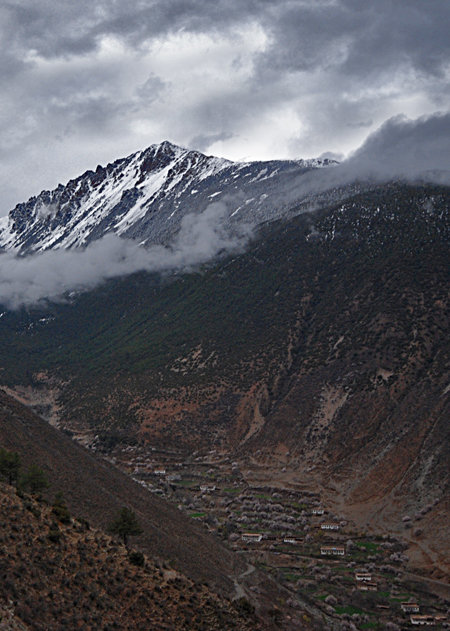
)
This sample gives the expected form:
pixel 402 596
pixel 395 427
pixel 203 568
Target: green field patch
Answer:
pixel 290 576
pixel 399 598
pixel 368 546
pixel 340 568
pixel 232 490
pixel 186 483
pixel 197 515
pixel 297 505
pixel 349 609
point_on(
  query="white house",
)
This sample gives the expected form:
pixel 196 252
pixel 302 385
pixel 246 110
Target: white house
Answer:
pixel 422 620
pixel 409 607
pixel 255 537
pixel 367 587
pixel 332 550
pixel 363 576
pixel 204 488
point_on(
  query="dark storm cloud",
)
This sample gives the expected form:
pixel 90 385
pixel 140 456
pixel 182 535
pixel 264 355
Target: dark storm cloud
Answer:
pixel 90 81
pixel 305 34
pixel 68 28
pixel 361 38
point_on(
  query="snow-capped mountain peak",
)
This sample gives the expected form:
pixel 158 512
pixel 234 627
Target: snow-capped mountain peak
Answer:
pixel 144 196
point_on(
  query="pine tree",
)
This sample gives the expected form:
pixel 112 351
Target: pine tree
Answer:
pixel 125 525
pixel 60 510
pixel 35 480
pixel 9 465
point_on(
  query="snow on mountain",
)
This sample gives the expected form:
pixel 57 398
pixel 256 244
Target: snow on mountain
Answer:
pixel 145 195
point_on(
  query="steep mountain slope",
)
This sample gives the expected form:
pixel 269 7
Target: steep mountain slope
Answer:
pixel 96 490
pixel 322 350
pixel 59 576
pixel 74 571
pixel 145 196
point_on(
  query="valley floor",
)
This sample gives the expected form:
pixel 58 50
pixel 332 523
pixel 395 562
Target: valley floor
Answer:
pixel 304 540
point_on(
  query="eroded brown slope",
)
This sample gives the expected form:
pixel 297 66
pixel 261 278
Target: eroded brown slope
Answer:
pixel 364 410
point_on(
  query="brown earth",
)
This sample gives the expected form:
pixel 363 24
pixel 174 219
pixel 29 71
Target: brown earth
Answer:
pixel 58 576
pixel 95 490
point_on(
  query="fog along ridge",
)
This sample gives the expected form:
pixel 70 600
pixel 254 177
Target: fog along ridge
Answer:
pixel 48 275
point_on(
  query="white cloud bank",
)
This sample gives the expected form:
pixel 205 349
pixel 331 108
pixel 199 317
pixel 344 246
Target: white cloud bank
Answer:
pixel 406 148
pixel 401 149
pixel 30 280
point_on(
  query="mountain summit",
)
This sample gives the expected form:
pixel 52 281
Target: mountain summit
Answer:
pixel 145 195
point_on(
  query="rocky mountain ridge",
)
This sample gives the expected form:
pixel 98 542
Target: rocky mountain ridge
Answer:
pixel 145 195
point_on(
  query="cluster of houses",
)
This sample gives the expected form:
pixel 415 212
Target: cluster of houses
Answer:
pixel 364 580
pixel 420 619
pixel 257 537
pixel 325 550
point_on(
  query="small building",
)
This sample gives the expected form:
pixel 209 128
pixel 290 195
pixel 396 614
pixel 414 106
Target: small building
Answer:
pixel 367 586
pixel 290 540
pixel 332 550
pixel 329 526
pixel 204 488
pixel 159 472
pixel 363 576
pixel 250 537
pixel 409 607
pixel 318 511
pixel 422 620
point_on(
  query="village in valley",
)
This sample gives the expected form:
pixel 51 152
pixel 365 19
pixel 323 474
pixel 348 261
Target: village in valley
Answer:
pixel 288 531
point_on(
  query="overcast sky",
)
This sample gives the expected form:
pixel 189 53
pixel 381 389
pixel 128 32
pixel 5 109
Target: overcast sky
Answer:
pixel 89 81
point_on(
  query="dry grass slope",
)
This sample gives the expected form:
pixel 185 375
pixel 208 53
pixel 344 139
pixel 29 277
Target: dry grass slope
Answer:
pixel 80 578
